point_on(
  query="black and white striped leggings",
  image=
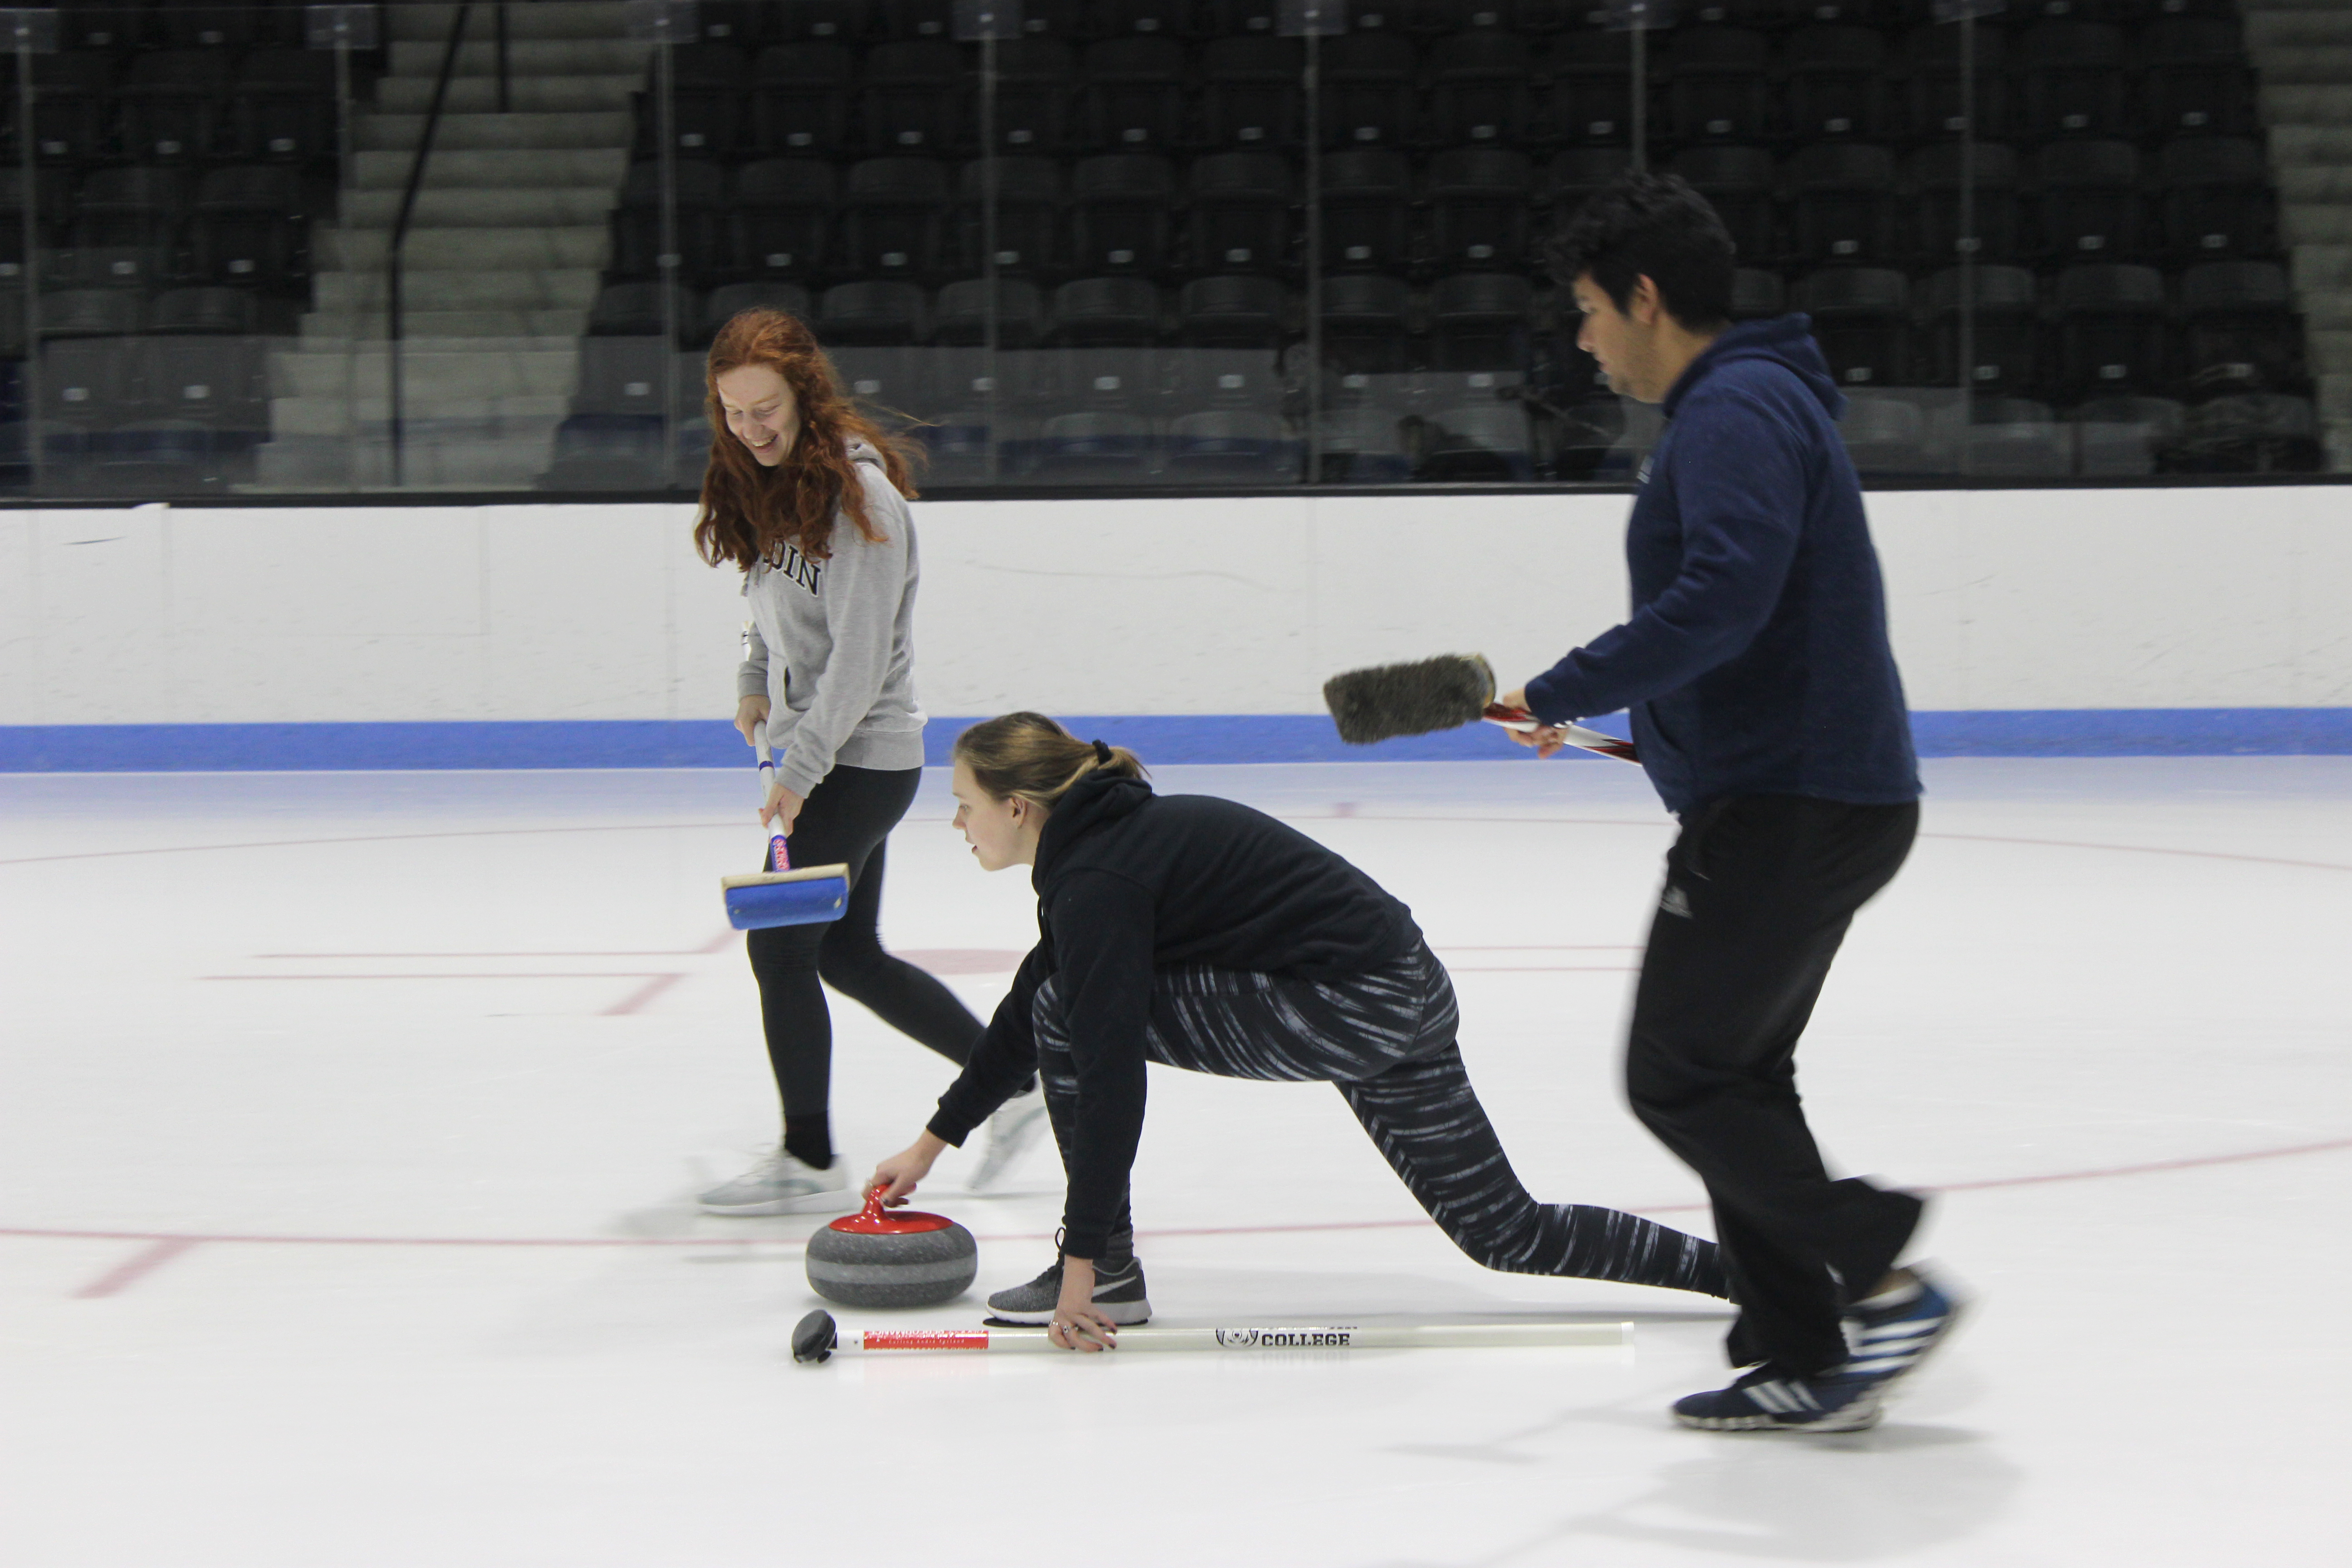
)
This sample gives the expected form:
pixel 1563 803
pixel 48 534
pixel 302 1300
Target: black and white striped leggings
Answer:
pixel 1385 1039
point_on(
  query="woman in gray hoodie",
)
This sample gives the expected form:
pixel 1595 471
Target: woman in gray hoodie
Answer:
pixel 808 498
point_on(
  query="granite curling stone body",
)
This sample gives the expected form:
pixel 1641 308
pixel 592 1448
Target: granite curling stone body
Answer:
pixel 878 1259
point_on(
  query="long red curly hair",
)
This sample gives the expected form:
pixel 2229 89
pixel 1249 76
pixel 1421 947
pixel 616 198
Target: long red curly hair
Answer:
pixel 749 511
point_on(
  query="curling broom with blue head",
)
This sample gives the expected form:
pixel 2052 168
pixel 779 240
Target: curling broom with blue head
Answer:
pixel 776 895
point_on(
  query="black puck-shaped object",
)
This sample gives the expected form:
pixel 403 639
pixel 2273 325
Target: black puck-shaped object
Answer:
pixel 881 1259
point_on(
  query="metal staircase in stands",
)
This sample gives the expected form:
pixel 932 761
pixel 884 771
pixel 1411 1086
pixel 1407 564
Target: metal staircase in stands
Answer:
pixel 2302 52
pixel 501 265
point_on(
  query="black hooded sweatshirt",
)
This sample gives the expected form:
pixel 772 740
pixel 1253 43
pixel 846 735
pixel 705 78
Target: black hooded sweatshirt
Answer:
pixel 1128 882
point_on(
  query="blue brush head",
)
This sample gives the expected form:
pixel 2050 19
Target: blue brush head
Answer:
pixel 755 903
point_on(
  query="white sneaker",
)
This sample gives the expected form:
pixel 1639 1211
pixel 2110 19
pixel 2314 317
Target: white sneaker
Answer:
pixel 1016 1124
pixel 782 1185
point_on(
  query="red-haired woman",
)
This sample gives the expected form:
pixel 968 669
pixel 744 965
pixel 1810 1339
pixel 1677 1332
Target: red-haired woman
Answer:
pixel 808 498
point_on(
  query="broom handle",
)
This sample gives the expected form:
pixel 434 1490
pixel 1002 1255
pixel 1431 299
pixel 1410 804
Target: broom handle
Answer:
pixel 777 859
pixel 1336 1336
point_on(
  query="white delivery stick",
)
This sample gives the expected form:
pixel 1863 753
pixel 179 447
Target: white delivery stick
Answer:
pixel 810 1342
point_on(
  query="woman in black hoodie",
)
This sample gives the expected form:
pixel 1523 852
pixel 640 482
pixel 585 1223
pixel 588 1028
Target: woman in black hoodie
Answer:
pixel 1201 934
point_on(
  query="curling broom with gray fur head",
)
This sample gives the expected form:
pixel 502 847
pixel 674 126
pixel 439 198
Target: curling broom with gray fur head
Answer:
pixel 1442 693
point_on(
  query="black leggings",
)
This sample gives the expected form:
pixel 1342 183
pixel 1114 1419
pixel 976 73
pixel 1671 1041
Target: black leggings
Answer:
pixel 846 820
pixel 1385 1039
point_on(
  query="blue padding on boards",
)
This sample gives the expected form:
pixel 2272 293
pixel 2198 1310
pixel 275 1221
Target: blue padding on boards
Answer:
pixel 1157 737
pixel 766 904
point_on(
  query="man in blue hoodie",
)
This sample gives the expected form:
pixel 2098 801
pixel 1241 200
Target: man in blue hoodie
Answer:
pixel 1770 718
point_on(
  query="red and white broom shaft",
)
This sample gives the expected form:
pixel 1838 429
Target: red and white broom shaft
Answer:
pixel 1576 735
pixel 778 859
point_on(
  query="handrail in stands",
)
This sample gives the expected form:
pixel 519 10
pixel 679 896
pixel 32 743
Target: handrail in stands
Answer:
pixel 400 236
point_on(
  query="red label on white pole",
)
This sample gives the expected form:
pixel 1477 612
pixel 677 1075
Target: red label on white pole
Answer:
pixel 922 1338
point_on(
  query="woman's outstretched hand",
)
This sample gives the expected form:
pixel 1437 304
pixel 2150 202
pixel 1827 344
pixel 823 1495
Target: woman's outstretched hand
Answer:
pixel 898 1175
pixel 1078 1324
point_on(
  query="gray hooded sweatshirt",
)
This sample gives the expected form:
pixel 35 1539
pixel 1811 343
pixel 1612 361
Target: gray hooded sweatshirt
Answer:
pixel 844 690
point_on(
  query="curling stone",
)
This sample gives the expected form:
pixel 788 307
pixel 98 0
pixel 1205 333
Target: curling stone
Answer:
pixel 880 1258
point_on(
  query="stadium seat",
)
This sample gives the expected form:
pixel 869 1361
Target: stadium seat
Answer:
pixel 2074 80
pixel 2092 204
pixel 1717 81
pixel 2005 325
pixel 1029 215
pixel 2117 437
pixel 72 106
pixel 174 103
pixel 1741 184
pixel 702 237
pixel 801 96
pixel 284 105
pixel 2110 330
pixel 823 21
pixel 1230 312
pixel 1482 90
pixel 2249 433
pixel 2195 77
pixel 2005 437
pixel 1933 174
pixel 1861 319
pixel 1844 204
pixel 1033 95
pixel 252 225
pixel 1365 324
pixel 1757 295
pixel 1241 206
pixel 1475 443
pixel 1932 56
pixel 782 217
pixel 1122 213
pixel 1092 447
pixel 894 218
pixel 1837 82
pixel 2239 332
pixel 1478 202
pixel 960 314
pixel 2217 199
pixel 1366 209
pixel 1884 433
pixel 871 315
pixel 1134 94
pixel 1478 321
pixel 1591 92
pixel 634 310
pixel 915 97
pixel 1232 447
pixel 1098 312
pixel 138 205
pixel 1250 95
pixel 1366 95
pixel 709 83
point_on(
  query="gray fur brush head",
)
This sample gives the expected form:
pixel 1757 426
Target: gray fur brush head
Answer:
pixel 1391 699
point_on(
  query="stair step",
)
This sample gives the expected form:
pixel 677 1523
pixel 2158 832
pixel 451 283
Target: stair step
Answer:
pixel 363 250
pixel 503 172
pixel 2323 268
pixel 2295 29
pixel 429 414
pixel 2319 63
pixel 487 133
pixel 434 288
pixel 2314 183
pixel 539 57
pixel 368 324
pixel 557 205
pixel 2301 105
pixel 2317 223
pixel 526 94
pixel 2331 351
pixel 444 460
pixel 550 372
pixel 541 19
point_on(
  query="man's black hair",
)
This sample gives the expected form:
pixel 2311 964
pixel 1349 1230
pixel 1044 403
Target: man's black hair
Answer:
pixel 1653 227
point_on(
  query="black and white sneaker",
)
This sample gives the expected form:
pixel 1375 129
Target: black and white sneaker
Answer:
pixel 1887 1337
pixel 1119 1296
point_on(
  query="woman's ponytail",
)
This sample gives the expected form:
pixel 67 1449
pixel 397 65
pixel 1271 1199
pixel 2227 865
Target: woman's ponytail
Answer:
pixel 1029 756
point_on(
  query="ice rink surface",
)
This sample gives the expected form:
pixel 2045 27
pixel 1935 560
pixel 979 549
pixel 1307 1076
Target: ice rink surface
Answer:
pixel 351 1125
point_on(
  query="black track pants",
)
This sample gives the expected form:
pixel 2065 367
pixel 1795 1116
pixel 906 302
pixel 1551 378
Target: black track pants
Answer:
pixel 1386 1040
pixel 845 821
pixel 1759 891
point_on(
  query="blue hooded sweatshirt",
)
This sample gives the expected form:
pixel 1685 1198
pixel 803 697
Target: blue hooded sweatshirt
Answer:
pixel 1755 660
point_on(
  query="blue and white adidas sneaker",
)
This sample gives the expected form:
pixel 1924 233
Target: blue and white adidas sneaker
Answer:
pixel 1887 1336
